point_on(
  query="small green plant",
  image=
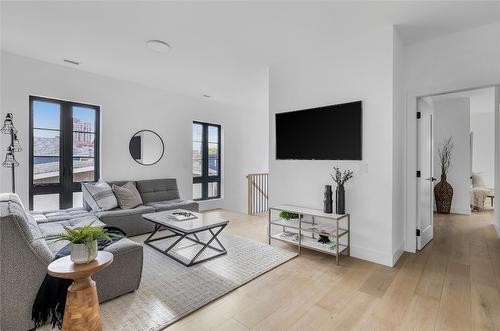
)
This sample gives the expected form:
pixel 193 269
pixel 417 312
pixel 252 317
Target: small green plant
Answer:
pixel 287 215
pixel 84 235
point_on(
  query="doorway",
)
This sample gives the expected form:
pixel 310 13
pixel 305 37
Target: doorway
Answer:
pixel 464 122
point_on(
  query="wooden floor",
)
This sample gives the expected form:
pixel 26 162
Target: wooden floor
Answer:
pixel 453 284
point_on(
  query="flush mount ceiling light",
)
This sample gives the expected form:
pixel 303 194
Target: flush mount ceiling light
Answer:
pixel 158 46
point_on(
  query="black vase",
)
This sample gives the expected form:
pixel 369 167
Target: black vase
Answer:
pixel 327 201
pixel 340 200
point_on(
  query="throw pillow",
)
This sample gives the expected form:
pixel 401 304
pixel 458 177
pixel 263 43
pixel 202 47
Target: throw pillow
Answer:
pixel 99 196
pixel 127 195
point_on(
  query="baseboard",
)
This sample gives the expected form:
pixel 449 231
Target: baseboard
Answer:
pixel 463 211
pixel 397 253
pixel 372 255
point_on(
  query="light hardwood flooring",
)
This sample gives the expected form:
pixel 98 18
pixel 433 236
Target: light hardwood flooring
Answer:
pixel 453 284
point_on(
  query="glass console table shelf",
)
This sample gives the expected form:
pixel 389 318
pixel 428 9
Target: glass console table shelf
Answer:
pixel 305 231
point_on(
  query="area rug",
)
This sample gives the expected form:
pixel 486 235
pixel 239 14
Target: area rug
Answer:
pixel 170 291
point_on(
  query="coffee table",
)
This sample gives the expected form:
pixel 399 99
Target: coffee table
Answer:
pixel 188 229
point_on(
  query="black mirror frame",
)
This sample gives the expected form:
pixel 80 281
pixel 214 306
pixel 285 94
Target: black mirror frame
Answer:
pixel 162 144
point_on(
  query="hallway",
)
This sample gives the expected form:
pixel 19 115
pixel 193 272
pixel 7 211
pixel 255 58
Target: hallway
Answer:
pixel 462 271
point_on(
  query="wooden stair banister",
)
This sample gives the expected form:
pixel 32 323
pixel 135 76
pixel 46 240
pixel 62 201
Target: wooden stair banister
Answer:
pixel 257 193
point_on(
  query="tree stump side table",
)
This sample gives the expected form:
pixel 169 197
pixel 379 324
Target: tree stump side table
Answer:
pixel 81 312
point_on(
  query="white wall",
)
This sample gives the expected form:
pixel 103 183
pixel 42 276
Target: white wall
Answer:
pixel 361 68
pixel 398 150
pixel 482 124
pixel 458 61
pixel 452 119
pixel 483 160
pixel 127 108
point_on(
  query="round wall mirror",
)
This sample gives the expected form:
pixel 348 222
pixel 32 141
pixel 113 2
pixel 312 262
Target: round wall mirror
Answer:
pixel 146 147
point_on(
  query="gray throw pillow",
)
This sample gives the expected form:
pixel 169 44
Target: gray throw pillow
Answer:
pixel 99 196
pixel 127 195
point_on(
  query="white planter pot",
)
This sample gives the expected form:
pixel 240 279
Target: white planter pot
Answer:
pixel 81 254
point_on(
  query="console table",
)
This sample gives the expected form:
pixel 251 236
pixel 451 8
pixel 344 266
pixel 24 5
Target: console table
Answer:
pixel 305 231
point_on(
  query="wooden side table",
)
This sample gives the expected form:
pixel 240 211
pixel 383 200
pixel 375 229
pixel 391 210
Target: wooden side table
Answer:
pixel 81 312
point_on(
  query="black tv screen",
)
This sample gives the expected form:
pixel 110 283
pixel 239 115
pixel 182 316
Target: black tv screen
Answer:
pixel 324 133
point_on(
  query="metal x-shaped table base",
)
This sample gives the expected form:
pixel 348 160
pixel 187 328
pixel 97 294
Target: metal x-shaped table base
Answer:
pixel 196 239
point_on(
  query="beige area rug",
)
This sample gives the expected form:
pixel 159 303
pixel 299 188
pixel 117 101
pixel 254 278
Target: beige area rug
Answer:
pixel 170 291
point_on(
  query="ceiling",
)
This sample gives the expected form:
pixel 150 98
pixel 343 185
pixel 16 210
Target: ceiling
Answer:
pixel 218 47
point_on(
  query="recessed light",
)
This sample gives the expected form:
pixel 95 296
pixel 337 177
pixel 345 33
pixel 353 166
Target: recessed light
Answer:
pixel 207 96
pixel 72 62
pixel 158 46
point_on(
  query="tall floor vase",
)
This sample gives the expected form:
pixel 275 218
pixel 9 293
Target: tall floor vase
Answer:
pixel 443 193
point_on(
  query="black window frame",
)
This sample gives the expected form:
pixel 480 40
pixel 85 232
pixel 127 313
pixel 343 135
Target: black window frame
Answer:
pixel 204 179
pixel 66 187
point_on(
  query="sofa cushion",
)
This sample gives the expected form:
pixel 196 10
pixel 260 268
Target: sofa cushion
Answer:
pixel 59 215
pixel 58 227
pixel 99 196
pixel 125 212
pixel 154 190
pixel 127 195
pixel 174 204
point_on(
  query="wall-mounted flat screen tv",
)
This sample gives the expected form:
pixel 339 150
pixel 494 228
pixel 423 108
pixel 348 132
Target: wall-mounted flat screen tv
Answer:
pixel 324 133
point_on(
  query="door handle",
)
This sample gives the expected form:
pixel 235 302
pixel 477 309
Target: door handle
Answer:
pixel 432 179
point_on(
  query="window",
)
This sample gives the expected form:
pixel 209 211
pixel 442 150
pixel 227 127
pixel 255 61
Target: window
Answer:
pixel 64 150
pixel 206 161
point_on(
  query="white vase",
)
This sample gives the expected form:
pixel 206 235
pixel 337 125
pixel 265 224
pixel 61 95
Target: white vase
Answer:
pixel 81 253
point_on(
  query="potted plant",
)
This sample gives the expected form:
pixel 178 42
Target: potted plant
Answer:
pixel 83 241
pixel 443 191
pixel 340 178
pixel 288 215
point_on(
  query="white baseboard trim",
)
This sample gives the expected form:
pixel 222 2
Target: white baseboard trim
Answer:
pixel 371 255
pixel 397 253
pixel 463 211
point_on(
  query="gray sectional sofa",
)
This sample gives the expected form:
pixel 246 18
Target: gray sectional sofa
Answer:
pixel 25 255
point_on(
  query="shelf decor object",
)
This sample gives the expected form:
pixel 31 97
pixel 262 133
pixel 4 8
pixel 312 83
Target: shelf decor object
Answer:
pixel 14 147
pixel 310 230
pixel 327 200
pixel 340 178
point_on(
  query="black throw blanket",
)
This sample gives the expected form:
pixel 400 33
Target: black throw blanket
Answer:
pixel 51 297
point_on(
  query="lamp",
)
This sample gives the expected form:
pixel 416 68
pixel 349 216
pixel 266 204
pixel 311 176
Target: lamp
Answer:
pixel 15 146
pixel 8 126
pixel 10 160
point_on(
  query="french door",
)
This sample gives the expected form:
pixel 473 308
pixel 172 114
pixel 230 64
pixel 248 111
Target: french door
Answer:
pixel 64 151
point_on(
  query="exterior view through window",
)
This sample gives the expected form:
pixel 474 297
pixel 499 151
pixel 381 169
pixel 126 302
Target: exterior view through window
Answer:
pixel 64 150
pixel 206 161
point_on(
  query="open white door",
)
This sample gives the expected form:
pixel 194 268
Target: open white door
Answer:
pixel 425 210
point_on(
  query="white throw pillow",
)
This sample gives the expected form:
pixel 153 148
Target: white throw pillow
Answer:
pixel 99 196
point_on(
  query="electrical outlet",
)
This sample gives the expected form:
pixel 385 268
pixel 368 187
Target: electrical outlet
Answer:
pixel 363 168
